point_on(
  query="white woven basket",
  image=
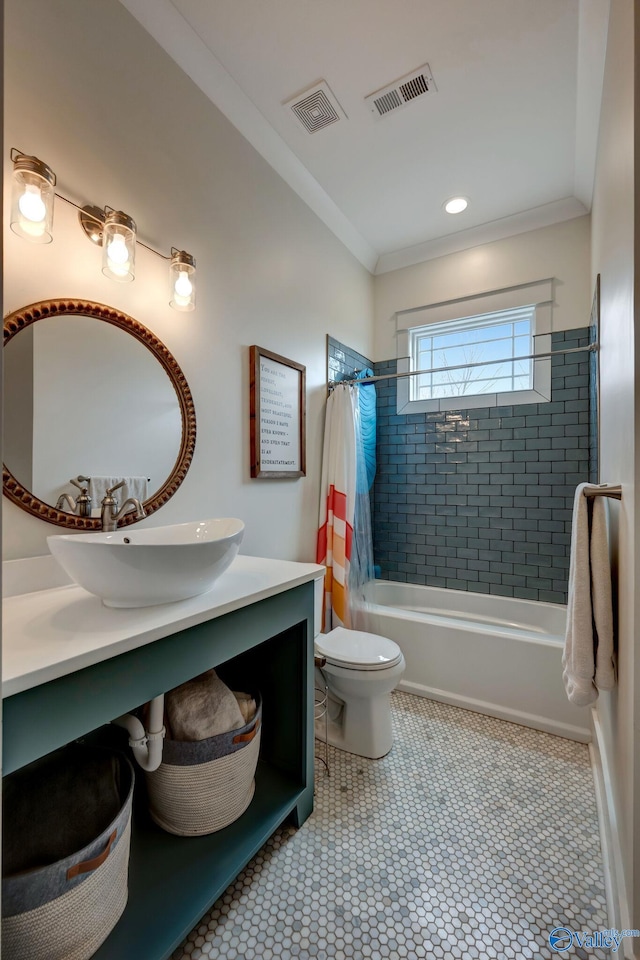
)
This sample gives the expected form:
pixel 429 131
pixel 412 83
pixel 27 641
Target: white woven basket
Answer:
pixel 72 924
pixel 204 786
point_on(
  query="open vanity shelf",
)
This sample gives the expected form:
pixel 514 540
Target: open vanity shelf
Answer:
pixel 266 644
pixel 174 880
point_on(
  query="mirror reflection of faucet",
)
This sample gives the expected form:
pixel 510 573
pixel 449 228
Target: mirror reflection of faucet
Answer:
pixel 110 514
pixel 81 505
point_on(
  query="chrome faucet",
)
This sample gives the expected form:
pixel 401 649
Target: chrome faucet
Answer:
pixel 81 505
pixel 110 514
pixel 70 502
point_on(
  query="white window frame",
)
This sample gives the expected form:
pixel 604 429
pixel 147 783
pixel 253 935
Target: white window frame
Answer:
pixel 539 294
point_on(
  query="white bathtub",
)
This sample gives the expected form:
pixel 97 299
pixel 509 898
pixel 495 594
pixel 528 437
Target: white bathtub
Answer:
pixel 494 655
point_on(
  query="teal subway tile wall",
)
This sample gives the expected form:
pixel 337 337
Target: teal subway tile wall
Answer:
pixel 482 499
pixel 343 362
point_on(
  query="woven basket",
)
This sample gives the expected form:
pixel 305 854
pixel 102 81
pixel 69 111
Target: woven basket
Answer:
pixel 203 786
pixel 63 909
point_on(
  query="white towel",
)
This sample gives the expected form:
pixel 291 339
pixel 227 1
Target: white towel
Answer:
pixel 247 705
pixel 588 658
pixel 133 487
pixel 201 708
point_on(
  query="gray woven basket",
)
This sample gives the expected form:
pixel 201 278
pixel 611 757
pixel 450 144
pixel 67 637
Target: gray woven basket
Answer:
pixel 203 786
pixel 67 828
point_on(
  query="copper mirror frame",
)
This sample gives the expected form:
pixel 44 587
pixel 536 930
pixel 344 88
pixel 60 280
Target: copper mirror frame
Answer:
pixel 23 318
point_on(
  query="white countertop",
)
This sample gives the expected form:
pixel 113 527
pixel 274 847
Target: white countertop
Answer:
pixel 53 632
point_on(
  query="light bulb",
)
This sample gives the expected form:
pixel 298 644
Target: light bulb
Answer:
pixel 182 279
pixel 118 246
pixel 31 204
pixel 183 288
pixel 32 198
pixel 117 250
pixel 118 255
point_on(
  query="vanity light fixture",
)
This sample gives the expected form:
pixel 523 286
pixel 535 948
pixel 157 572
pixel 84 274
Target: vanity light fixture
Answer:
pixel 456 204
pixel 119 246
pixel 182 274
pixel 113 230
pixel 32 198
pixel 92 222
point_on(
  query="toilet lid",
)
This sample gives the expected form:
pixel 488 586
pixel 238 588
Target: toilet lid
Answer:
pixel 357 649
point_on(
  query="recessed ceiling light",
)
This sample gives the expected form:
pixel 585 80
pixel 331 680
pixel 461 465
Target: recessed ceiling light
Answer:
pixel 456 205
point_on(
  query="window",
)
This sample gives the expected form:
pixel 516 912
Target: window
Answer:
pixel 477 355
pixel 476 358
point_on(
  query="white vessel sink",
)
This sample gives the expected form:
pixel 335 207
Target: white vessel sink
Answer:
pixel 140 568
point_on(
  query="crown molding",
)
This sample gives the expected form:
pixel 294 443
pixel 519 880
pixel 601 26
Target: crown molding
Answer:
pixel 593 28
pixel 178 38
pixel 543 216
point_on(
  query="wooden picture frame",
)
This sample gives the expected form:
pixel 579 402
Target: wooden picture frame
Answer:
pixel 277 416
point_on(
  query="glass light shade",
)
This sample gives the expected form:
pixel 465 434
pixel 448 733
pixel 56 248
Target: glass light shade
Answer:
pixel 119 247
pixel 32 199
pixel 182 275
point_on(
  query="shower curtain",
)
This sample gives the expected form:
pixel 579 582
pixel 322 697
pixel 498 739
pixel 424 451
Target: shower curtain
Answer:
pixel 344 543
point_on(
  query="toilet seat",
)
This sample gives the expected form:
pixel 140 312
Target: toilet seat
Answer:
pixel 357 650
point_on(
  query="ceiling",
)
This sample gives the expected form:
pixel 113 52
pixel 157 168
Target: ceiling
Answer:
pixel 512 125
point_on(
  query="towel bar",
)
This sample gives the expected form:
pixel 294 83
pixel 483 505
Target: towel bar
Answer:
pixel 614 491
pixel 88 479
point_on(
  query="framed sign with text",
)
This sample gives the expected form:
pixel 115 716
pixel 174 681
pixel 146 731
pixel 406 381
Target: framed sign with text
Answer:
pixel 277 409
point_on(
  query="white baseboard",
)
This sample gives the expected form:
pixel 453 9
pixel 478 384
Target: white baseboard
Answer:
pixel 615 887
pixel 570 732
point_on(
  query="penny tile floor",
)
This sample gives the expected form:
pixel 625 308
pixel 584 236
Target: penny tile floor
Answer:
pixel 472 839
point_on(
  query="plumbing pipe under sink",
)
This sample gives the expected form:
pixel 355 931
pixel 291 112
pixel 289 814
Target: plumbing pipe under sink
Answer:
pixel 146 744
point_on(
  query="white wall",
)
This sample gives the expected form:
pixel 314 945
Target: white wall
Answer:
pixel 121 125
pixel 560 251
pixel 613 232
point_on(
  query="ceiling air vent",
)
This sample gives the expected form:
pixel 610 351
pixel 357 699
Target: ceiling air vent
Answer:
pixel 315 108
pixel 402 92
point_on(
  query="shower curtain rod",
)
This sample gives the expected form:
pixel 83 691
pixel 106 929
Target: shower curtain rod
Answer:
pixel 590 348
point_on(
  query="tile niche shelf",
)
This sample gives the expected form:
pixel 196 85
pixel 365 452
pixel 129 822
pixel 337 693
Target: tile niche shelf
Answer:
pixel 266 645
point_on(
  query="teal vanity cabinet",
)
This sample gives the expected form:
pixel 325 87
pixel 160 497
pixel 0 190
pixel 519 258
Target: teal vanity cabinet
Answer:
pixel 266 644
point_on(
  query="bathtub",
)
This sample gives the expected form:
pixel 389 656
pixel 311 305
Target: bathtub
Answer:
pixel 494 655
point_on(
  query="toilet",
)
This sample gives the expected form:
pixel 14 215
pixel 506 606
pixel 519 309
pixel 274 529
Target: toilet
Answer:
pixel 361 670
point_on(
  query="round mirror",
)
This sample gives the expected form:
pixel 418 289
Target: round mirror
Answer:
pixel 91 396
